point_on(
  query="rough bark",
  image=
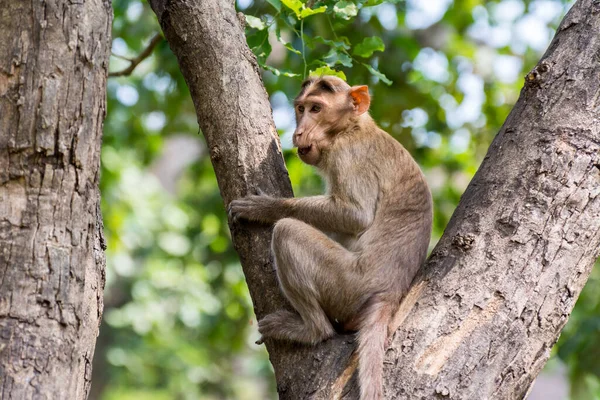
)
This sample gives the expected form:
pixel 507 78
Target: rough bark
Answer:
pixel 481 318
pixel 501 283
pixel 53 68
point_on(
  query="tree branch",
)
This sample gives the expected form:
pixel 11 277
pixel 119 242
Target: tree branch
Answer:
pixel 134 62
pixel 482 316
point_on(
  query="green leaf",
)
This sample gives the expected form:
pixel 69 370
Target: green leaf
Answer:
pixel 287 45
pixel 368 46
pixel 294 5
pixel 259 44
pixel 325 70
pixel 370 3
pixel 301 10
pixel 275 3
pixel 278 72
pixel 255 23
pixel 334 58
pixel 341 44
pixel 306 12
pixel 378 74
pixel 345 9
pixel 291 48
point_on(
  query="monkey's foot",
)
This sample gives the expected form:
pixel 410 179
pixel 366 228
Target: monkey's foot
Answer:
pixel 279 324
pixel 286 325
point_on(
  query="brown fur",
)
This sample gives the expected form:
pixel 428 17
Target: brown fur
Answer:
pixel 350 255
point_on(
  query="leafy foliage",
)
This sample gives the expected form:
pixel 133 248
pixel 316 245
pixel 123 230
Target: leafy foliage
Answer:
pixel 443 76
pixel 291 16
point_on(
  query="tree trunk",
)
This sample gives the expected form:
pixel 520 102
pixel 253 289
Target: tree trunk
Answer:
pixel 481 318
pixel 53 67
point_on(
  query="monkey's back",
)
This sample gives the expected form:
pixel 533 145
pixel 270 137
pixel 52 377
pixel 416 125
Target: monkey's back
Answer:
pixel 395 245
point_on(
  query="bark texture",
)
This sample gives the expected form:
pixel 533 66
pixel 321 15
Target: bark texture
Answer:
pixel 502 282
pixel 234 114
pixel 483 314
pixel 53 66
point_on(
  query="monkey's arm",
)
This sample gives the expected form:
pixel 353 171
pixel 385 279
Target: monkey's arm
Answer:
pixel 325 213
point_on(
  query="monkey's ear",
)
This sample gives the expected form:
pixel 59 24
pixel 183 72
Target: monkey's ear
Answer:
pixel 360 98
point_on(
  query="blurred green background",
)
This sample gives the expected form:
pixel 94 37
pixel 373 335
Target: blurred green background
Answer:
pixel 178 319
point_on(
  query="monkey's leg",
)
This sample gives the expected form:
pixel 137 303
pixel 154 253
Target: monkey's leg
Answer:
pixel 314 272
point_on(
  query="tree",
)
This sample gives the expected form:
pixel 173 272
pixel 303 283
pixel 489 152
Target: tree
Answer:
pixel 528 225
pixel 53 68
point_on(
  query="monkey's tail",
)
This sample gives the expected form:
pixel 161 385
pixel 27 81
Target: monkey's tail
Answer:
pixel 371 350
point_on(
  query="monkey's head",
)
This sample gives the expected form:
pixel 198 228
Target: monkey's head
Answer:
pixel 326 107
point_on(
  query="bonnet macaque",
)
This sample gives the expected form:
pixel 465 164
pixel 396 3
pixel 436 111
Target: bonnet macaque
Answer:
pixel 345 258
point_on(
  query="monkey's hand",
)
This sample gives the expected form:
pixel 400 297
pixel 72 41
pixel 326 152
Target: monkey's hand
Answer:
pixel 260 208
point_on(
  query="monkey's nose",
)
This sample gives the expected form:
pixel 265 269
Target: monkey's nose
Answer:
pixel 304 150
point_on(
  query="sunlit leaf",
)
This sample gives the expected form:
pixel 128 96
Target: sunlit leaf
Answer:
pixel 326 70
pixel 307 12
pixel 255 23
pixel 301 10
pixel 345 9
pixel 294 5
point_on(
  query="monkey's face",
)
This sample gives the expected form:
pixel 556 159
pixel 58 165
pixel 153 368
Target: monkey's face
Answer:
pixel 325 107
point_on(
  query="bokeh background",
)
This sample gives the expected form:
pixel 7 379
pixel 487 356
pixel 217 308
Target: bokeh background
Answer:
pixel 178 318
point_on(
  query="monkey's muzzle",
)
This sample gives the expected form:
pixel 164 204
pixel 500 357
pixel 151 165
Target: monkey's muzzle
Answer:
pixel 304 150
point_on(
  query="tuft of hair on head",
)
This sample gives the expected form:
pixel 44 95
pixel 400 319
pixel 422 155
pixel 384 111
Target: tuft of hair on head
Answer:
pixel 316 85
pixel 326 86
pixel 307 82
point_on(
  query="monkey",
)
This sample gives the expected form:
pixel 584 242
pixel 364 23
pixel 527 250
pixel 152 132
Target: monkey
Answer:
pixel 345 258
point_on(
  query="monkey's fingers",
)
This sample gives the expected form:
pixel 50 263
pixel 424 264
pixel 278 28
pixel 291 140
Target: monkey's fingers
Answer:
pixel 233 216
pixel 238 209
pixel 248 208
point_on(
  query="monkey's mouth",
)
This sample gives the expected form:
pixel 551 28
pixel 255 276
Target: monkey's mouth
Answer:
pixel 304 150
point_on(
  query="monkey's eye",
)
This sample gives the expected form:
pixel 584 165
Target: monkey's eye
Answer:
pixel 315 108
pixel 300 109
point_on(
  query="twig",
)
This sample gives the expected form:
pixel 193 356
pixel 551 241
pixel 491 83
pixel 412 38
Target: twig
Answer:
pixel 134 62
pixel 303 50
pixel 122 57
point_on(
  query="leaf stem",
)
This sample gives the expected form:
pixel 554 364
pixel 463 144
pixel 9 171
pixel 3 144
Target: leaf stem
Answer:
pixel 331 26
pixel 303 50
